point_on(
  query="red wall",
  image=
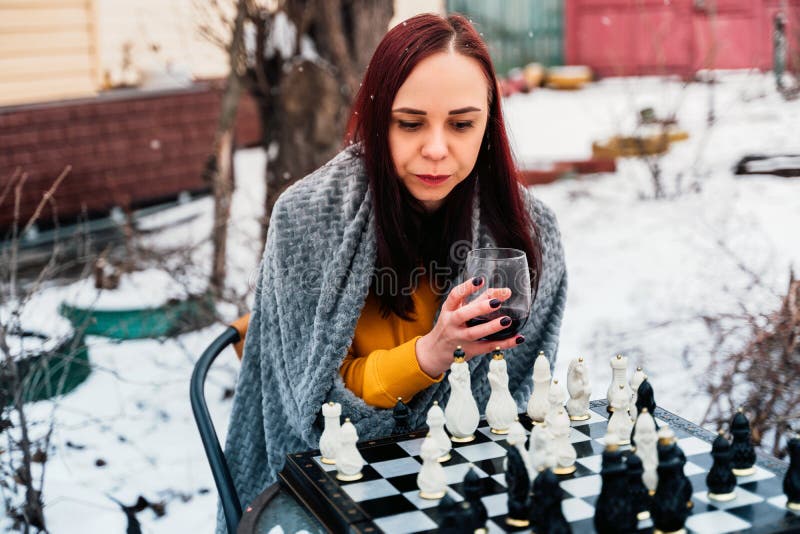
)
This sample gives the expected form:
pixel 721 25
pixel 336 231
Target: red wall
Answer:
pixel 628 37
pixel 126 148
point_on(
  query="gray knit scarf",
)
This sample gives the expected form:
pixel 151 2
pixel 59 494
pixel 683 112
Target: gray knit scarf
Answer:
pixel 314 279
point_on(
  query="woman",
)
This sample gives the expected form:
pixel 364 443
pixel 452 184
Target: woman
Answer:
pixel 357 299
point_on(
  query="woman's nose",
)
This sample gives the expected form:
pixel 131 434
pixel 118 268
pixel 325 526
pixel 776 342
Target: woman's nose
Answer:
pixel 435 146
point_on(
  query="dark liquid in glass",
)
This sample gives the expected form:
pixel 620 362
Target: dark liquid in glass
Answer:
pixel 518 320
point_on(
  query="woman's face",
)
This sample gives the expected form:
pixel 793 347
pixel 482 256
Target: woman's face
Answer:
pixel 438 120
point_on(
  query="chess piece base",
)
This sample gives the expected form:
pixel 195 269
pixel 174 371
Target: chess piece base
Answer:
pixel 680 531
pixel 651 492
pixel 537 422
pixel 722 497
pixel 583 417
pixel 644 515
pixel 467 439
pixel 349 478
pixel 499 431
pixel 568 470
pixel 327 461
pixel 481 531
pixel 793 506
pixel 519 523
pixel 432 496
pixel 624 442
pixel 744 472
pixel 445 458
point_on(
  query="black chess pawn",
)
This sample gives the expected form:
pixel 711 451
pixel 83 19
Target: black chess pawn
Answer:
pixel 473 489
pixel 791 482
pixel 401 415
pixel 640 496
pixel 721 481
pixel 546 515
pixel 744 454
pixel 614 510
pixel 669 508
pixel 645 398
pixel 519 488
pixel 448 516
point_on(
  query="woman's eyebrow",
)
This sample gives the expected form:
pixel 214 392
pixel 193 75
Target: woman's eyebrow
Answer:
pixel 458 111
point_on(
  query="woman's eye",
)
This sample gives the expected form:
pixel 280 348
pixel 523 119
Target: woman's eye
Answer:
pixel 462 125
pixel 411 126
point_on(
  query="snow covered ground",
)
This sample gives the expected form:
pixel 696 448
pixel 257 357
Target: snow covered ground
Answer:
pixel 641 272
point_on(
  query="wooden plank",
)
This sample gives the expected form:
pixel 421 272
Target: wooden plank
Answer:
pixel 16 20
pixel 42 4
pixel 45 89
pixel 25 68
pixel 32 44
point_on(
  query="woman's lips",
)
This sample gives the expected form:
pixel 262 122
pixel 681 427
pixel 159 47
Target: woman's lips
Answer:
pixel 433 179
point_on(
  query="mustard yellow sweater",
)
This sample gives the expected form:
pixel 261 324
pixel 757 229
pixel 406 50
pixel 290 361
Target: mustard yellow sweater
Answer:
pixel 381 364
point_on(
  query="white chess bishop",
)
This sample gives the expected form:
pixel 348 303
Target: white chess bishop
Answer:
pixel 636 381
pixel 619 377
pixel 580 389
pixel 501 410
pixel 348 460
pixel 329 440
pixel 539 403
pixel 620 422
pixel 431 480
pixel 564 450
pixel 647 448
pixel 556 398
pixel 461 413
pixel 436 431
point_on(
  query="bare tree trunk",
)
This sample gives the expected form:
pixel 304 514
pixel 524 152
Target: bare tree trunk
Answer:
pixel 220 165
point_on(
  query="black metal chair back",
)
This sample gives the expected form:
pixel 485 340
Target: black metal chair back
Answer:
pixel 216 458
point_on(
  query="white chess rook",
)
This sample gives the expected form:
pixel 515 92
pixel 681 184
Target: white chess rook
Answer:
pixel 329 440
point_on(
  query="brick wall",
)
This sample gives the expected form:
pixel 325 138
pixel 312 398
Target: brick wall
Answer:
pixel 125 148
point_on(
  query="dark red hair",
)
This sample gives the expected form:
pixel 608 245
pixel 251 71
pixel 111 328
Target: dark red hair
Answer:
pixel 406 235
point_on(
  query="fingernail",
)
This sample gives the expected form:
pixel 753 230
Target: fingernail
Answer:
pixel 494 303
pixel 478 280
pixel 520 339
pixel 505 321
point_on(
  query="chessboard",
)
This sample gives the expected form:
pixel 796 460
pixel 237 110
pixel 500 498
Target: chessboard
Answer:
pixel 386 498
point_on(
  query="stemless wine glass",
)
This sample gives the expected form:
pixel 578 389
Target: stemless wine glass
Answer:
pixel 501 267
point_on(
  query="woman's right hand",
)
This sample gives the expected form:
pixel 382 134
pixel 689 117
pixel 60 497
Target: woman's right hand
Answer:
pixel 435 349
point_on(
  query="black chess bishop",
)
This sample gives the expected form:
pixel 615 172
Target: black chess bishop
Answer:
pixel 742 450
pixel 669 508
pixel 645 398
pixel 401 415
pixel 721 481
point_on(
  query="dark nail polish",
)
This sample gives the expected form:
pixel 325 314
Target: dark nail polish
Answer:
pixel 505 321
pixel 520 339
pixel 494 303
pixel 477 281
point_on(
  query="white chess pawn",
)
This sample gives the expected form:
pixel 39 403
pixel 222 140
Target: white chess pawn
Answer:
pixel 636 381
pixel 580 389
pixel 556 398
pixel 647 448
pixel 541 452
pixel 431 479
pixel 329 440
pixel 620 422
pixel 619 377
pixel 435 423
pixel 564 450
pixel 501 410
pixel 348 460
pixel 538 404
pixel 461 413
pixel 516 438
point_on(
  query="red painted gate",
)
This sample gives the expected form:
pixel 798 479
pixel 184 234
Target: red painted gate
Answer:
pixel 625 37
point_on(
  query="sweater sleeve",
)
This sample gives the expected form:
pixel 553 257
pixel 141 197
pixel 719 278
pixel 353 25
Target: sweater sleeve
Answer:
pixel 383 375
